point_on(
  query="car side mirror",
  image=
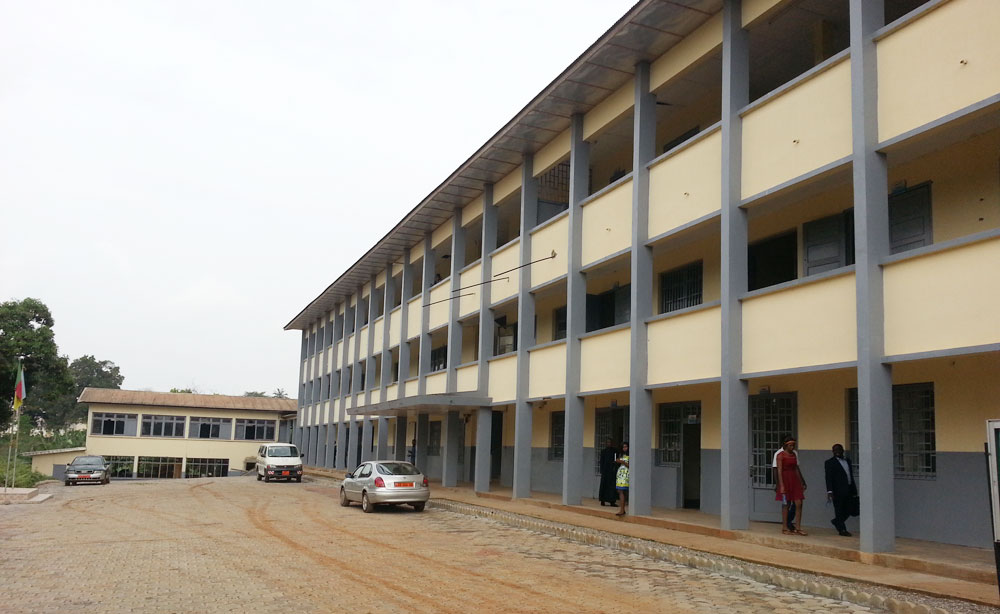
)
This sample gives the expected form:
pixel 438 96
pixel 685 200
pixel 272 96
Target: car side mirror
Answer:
pixel 303 455
pixel 349 475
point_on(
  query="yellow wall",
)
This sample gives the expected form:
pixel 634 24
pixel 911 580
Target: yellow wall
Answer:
pixel 686 186
pixel 395 323
pixel 416 252
pixel 966 395
pixel 547 372
pixel 470 342
pixel 545 304
pixel 672 255
pixel 554 237
pixel 392 392
pixel 440 234
pixel 339 353
pixel 503 260
pixel 439 313
pixel 43 464
pixel 472 210
pixel 608 110
pixel 798 131
pixel 552 153
pixel 686 52
pixel 470 304
pixel 503 379
pixel 822 404
pixel 605 360
pixel 414 309
pixel 943 300
pixel 411 387
pixel 506 186
pixel 468 378
pixel 921 76
pixel 437 383
pixel 711 415
pixel 685 347
pixel 363 341
pixel 812 324
pixel 607 223
pixel 755 9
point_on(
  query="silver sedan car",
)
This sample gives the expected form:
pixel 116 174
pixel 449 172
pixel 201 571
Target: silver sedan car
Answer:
pixel 385 481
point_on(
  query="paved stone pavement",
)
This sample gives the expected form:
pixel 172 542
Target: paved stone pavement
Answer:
pixel 238 545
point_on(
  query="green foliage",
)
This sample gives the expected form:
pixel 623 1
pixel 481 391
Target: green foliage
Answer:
pixel 86 371
pixel 279 393
pixel 24 477
pixel 184 390
pixel 254 393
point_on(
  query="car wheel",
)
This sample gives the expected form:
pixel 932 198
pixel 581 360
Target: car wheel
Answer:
pixel 259 477
pixel 267 478
pixel 366 505
pixel 419 506
pixel 68 483
pixel 298 479
pixel 344 501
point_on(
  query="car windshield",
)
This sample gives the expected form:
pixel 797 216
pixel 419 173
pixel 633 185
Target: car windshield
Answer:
pixel 283 451
pixel 87 461
pixel 397 469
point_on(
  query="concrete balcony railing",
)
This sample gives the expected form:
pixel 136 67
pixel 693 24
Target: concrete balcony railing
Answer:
pixel 470 277
pixel 607 222
pixel 604 359
pixel 551 237
pixel 504 259
pixel 503 378
pixel 547 371
pixel 685 185
pixel 685 346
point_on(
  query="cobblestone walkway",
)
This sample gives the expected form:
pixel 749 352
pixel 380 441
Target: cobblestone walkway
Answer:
pixel 238 545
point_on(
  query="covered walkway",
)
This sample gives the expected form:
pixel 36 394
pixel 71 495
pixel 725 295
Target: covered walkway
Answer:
pixel 944 570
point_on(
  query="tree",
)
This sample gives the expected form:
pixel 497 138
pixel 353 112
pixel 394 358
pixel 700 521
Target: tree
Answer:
pixel 185 390
pixel 26 330
pixel 86 371
pixel 279 393
pixel 254 393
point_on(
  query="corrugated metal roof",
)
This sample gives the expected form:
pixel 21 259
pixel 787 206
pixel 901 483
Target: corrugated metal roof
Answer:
pixel 59 451
pixel 110 396
pixel 645 33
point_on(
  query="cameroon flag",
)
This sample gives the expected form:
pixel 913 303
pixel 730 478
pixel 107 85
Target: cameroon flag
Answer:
pixel 20 390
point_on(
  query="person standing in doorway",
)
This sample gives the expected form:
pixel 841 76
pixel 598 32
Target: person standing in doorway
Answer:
pixel 840 488
pixel 791 486
pixel 413 451
pixel 609 470
pixel 790 524
pixel 621 479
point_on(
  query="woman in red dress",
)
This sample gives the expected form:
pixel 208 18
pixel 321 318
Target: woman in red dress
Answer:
pixel 791 486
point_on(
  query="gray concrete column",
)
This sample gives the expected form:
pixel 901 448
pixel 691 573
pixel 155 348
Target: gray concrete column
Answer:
pixel 525 334
pixel 425 316
pixel 389 297
pixel 345 389
pixel 366 439
pixel 454 436
pixel 576 315
pixel 640 290
pixel 331 445
pixel 423 433
pixel 484 442
pixel 399 449
pixel 454 326
pixel 369 356
pixel 356 377
pixel 486 323
pixel 735 427
pixel 383 438
pixel 353 442
pixel 404 346
pixel 876 467
pixel 343 428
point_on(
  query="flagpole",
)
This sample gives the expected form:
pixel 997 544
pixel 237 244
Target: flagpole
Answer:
pixel 7 473
pixel 15 407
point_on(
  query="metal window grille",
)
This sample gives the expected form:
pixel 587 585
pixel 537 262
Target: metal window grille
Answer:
pixel 672 418
pixel 553 185
pixel 681 288
pixel 207 468
pixel 434 439
pixel 162 426
pixel 557 434
pixel 771 416
pixel 159 467
pixel 604 429
pixel 255 430
pixel 120 466
pixel 854 444
pixel 913 435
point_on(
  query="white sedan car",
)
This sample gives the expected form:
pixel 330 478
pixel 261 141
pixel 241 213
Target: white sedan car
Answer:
pixel 385 481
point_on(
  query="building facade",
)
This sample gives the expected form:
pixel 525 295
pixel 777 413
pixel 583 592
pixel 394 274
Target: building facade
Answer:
pixel 174 435
pixel 724 222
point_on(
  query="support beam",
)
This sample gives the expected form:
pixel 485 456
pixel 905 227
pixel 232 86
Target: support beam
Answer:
pixel 366 439
pixel 345 389
pixel 399 449
pixel 382 451
pixel 871 241
pixel 454 437
pixel 404 346
pixel 423 433
pixel 425 316
pixel 454 326
pixel 486 323
pixel 331 442
pixel 525 334
pixel 354 441
pixel 576 315
pixel 735 424
pixel 484 441
pixel 641 297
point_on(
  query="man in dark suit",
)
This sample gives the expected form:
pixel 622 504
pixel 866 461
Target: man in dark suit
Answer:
pixel 840 487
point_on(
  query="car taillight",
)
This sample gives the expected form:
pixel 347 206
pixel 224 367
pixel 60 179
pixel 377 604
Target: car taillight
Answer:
pixel 426 483
pixel 379 483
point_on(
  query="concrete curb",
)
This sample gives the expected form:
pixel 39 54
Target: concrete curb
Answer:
pixel 679 556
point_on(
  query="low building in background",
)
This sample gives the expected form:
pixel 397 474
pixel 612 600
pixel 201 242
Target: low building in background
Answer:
pixel 173 435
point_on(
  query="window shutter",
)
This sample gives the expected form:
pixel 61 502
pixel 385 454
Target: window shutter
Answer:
pixel 823 244
pixel 910 219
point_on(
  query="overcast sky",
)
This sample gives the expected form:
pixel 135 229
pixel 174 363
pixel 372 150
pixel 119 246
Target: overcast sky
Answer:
pixel 179 179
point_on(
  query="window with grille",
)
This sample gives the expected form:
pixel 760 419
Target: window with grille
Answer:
pixel 113 424
pixel 159 467
pixel 672 419
pixel 557 433
pixel 553 192
pixel 559 323
pixel 439 358
pixel 207 468
pixel 913 431
pixel 681 288
pixel 434 439
pixel 162 426
pixel 120 466
pixel 771 416
pixel 255 430
pixel 210 428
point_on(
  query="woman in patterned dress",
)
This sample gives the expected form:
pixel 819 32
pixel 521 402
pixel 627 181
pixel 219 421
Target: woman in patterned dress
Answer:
pixel 621 479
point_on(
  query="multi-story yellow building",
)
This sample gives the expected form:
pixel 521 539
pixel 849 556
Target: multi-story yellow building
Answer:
pixel 723 222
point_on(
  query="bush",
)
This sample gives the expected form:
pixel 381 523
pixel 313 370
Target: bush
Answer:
pixel 24 477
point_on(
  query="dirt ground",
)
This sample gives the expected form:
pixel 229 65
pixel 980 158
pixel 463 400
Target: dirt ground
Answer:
pixel 238 545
